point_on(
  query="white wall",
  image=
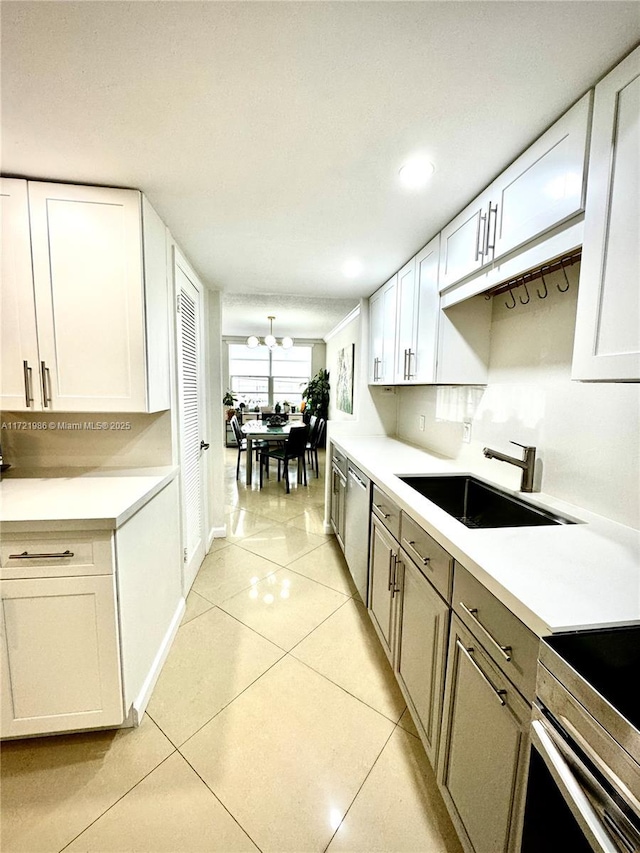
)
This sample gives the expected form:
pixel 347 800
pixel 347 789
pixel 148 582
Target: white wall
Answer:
pixel 587 434
pixel 374 409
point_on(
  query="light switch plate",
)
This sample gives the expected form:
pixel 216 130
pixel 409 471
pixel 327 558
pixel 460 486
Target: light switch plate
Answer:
pixel 421 423
pixel 466 432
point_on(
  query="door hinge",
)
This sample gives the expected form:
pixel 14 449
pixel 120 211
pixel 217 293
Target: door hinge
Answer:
pixel 178 303
pixel 184 555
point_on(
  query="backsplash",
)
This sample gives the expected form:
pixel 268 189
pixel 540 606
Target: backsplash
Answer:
pixel 586 434
pixel 63 439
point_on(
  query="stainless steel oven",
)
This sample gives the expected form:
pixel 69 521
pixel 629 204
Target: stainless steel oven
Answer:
pixel 583 792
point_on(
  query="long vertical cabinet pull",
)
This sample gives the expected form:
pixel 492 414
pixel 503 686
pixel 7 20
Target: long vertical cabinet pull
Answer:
pixel 490 247
pixel 410 355
pixel 46 384
pixel 28 384
pixel 480 233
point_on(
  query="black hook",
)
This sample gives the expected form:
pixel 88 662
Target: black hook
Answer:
pixel 528 299
pixel 514 300
pixel 546 292
pixel 563 289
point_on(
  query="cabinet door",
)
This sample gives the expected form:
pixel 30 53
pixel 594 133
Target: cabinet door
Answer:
pixel 543 187
pixel 483 748
pixel 427 313
pixel 382 585
pixel 60 655
pixel 406 326
pixel 382 333
pixel 87 264
pixel 422 649
pixel 19 367
pixel 607 340
pixel 463 241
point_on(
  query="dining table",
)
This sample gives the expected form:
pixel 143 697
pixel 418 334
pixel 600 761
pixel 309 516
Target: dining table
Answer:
pixel 260 430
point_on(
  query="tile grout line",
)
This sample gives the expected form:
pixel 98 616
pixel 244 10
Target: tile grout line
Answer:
pixel 133 787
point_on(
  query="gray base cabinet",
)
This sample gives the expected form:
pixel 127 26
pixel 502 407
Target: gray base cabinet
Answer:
pixel 422 650
pixel 383 565
pixel 338 494
pixel 483 752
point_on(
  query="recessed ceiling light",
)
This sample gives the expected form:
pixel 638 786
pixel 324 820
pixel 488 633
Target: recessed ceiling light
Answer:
pixel 352 268
pixel 416 173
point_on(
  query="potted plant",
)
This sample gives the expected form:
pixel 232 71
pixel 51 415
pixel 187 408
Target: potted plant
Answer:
pixel 316 395
pixel 228 400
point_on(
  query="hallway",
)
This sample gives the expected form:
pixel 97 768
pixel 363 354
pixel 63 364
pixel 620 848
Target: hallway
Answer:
pixel 276 724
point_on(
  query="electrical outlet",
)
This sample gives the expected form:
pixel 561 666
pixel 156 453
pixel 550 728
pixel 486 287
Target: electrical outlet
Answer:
pixel 466 432
pixel 421 423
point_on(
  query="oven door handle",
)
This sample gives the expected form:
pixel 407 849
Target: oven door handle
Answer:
pixel 563 776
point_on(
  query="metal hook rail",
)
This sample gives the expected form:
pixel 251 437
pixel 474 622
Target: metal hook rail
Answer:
pixel 533 275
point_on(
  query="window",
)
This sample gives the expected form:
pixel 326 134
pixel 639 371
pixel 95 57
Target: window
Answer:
pixel 263 377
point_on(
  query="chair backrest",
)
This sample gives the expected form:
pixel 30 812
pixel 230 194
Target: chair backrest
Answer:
pixel 318 436
pixel 296 441
pixel 235 426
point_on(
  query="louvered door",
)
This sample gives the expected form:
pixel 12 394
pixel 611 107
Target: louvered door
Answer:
pixel 190 378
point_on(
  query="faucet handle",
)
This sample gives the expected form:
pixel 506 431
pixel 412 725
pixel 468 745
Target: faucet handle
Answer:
pixel 523 446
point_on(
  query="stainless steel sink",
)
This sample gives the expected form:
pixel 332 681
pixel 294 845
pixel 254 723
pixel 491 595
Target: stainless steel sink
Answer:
pixel 479 505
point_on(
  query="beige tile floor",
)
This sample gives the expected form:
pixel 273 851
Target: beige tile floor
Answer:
pixel 276 724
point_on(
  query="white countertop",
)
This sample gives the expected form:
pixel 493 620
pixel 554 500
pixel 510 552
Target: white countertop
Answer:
pixel 98 499
pixel 554 578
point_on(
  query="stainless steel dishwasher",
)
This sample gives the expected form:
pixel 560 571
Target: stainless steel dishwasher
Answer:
pixel 356 538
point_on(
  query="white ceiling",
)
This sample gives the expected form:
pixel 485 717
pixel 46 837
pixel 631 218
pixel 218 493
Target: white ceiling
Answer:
pixel 268 135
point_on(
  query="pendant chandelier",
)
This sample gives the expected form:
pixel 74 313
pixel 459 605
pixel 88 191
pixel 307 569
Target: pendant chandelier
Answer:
pixel 269 340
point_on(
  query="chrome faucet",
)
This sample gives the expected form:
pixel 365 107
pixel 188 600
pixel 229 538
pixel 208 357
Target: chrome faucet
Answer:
pixel 527 464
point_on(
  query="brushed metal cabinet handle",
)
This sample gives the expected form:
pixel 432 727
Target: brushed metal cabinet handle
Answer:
pixel 411 545
pixel 28 383
pixel 468 653
pixel 45 375
pixel 503 650
pixel 27 556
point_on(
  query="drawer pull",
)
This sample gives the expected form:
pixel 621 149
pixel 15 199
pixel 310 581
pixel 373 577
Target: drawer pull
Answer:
pixel 424 560
pixel 382 512
pixel 27 556
pixel 505 651
pixel 468 652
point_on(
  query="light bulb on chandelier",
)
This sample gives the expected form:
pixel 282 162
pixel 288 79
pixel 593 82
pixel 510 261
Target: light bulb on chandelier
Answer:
pixel 269 340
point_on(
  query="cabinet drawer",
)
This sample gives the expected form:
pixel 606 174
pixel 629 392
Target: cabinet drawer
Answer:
pixel 386 510
pixel 434 562
pixel 509 643
pixel 339 460
pixel 55 554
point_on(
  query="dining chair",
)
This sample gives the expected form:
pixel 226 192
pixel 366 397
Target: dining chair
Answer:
pixel 316 437
pixel 294 447
pixel 242 443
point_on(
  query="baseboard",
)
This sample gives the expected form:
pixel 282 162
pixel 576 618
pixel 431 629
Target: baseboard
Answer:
pixel 216 533
pixel 141 701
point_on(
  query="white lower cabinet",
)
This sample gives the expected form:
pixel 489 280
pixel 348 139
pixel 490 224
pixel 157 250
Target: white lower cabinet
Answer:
pixel 484 746
pixel 60 655
pixel 87 618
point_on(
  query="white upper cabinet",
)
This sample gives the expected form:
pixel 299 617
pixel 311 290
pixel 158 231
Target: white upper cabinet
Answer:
pixel 101 302
pixel 463 240
pixel 607 340
pixel 19 364
pixel 382 334
pixel 542 189
pixel 417 322
pixel 427 311
pixel 407 323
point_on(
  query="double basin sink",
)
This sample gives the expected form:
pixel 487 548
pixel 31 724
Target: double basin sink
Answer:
pixel 478 505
